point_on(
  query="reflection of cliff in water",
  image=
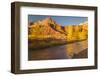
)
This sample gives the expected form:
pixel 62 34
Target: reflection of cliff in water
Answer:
pixel 75 48
pixel 68 51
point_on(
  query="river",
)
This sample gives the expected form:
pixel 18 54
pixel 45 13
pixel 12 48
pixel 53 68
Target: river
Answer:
pixel 68 51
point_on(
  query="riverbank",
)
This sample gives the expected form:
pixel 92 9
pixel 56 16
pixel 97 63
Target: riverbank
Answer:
pixel 41 44
pixel 82 54
pixel 74 50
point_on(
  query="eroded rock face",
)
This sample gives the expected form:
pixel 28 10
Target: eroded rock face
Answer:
pixel 76 32
pixel 48 28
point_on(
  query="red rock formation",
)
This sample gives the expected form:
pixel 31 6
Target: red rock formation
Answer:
pixel 48 28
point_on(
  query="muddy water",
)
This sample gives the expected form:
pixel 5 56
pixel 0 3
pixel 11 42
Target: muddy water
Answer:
pixel 61 52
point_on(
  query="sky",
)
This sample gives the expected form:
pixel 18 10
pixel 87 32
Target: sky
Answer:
pixel 62 20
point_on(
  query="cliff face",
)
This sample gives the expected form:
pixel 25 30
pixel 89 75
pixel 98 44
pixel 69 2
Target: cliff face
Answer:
pixel 48 28
pixel 76 32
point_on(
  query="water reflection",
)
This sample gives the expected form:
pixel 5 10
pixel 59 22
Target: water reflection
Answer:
pixel 60 52
pixel 75 48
